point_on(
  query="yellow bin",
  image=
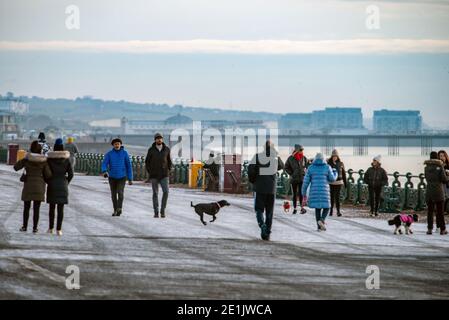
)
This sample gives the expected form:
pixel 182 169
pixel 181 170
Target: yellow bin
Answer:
pixel 21 154
pixel 194 168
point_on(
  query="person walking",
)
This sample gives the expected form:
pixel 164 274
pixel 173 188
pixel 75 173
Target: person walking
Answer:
pixel 158 165
pixel 318 177
pixel 213 167
pixel 71 147
pixel 262 174
pixel 36 172
pixel 296 167
pixel 44 145
pixel 58 185
pixel 376 178
pixel 443 156
pixel 435 193
pixel 117 168
pixel 336 163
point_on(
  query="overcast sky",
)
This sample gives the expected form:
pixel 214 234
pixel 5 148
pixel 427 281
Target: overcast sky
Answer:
pixel 272 55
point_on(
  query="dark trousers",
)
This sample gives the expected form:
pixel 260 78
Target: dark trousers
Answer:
pixel 431 206
pixel 155 186
pixel 264 202
pixel 321 214
pixel 26 213
pixel 117 192
pixel 335 197
pixel 60 217
pixel 297 191
pixel 374 198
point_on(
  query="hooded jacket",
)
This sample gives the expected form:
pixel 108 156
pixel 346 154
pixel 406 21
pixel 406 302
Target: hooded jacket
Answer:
pixel 265 169
pixel 318 177
pixel 62 174
pixel 339 166
pixel 436 180
pixel 117 164
pixel 37 172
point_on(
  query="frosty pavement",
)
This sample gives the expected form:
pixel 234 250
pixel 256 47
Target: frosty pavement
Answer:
pixel 137 256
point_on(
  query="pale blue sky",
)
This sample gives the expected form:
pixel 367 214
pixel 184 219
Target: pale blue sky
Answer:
pixel 415 77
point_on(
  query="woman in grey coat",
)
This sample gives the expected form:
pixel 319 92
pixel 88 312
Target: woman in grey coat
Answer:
pixel 58 185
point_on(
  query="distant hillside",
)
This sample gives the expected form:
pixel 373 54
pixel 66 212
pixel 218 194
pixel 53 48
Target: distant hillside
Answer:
pixel 88 109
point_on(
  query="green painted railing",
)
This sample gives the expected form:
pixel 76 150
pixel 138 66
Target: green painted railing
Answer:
pixel 396 196
pixel 3 155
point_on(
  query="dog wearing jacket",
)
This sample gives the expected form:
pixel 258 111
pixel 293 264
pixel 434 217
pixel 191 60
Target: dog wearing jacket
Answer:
pixel 403 220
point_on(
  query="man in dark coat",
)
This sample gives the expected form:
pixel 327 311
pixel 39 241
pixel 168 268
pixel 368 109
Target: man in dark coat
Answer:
pixel 213 167
pixel 376 178
pixel 264 167
pixel 158 164
pixel 296 166
pixel 58 184
pixel 435 193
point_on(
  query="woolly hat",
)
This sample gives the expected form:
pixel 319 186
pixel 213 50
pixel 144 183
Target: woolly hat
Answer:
pixel 298 147
pixel 335 153
pixel 116 140
pixel 158 135
pixel 378 158
pixel 58 142
pixel 319 155
pixel 70 139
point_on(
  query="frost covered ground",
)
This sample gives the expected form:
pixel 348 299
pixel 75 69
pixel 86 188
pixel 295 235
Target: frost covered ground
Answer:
pixel 137 256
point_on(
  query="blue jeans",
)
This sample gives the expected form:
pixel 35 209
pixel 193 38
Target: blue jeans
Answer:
pixel 155 186
pixel 321 214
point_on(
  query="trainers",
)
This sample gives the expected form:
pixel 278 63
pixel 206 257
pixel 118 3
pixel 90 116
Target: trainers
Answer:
pixel 119 212
pixel 23 229
pixel 59 232
pixel 50 231
pixel 322 225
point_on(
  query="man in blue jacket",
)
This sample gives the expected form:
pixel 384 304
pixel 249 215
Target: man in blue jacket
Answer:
pixel 117 167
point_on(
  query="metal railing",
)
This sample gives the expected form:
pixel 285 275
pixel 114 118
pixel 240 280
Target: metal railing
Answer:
pixel 396 196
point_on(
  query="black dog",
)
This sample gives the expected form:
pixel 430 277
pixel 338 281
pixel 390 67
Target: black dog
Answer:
pixel 209 208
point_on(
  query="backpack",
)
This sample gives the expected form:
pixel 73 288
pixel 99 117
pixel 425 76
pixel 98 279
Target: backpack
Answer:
pixel 253 171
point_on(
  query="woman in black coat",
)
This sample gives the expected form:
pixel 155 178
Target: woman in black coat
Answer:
pixel 58 185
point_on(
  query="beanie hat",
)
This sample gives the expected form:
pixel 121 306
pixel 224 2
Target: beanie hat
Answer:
pixel 298 147
pixel 116 140
pixel 378 158
pixel 58 142
pixel 70 139
pixel 41 136
pixel 319 155
pixel 335 153
pixel 158 135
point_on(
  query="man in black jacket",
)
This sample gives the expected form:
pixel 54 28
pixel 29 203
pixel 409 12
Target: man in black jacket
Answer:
pixel 376 178
pixel 158 164
pixel 264 167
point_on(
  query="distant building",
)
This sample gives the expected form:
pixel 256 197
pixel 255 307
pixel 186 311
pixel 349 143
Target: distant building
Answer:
pixel 14 105
pixel 183 122
pixel 397 122
pixel 329 119
pixel 8 125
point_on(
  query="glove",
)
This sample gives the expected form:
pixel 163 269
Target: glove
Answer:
pixel 106 175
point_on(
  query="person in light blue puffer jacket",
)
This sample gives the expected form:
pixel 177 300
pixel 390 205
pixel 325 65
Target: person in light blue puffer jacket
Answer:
pixel 318 177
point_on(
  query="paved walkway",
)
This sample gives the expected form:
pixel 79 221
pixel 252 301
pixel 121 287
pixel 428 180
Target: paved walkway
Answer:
pixel 137 256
